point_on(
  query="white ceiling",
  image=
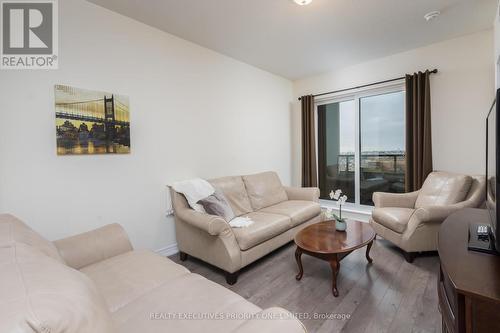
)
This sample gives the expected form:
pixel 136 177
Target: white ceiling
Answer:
pixel 298 41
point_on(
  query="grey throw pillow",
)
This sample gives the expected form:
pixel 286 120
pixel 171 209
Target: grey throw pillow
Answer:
pixel 216 204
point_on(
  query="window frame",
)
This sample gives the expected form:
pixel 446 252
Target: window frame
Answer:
pixel 355 95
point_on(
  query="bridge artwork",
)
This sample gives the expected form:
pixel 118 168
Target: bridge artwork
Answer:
pixel 91 122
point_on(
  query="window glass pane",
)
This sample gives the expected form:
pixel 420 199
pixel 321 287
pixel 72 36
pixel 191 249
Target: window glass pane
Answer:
pixel 336 147
pixel 382 140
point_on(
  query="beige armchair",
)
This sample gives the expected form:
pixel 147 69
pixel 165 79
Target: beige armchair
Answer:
pixel 411 221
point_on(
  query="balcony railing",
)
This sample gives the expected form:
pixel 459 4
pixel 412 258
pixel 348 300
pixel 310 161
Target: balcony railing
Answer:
pixel 383 171
pixel 397 160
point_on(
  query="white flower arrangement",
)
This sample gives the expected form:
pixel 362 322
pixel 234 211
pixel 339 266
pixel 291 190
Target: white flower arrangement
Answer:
pixel 341 200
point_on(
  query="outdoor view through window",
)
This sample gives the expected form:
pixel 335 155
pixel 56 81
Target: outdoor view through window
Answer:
pixel 381 150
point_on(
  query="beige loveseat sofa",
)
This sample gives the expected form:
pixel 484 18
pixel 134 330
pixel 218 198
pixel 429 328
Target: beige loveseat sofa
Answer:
pixel 278 213
pixel 411 221
pixel 96 283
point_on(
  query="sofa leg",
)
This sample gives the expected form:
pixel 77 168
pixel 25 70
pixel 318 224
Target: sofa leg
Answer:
pixel 409 256
pixel 231 278
pixel 183 256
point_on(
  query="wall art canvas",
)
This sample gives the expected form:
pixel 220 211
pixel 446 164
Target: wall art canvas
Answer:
pixel 91 122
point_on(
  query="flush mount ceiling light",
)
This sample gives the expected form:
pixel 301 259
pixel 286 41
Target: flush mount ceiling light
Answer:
pixel 432 15
pixel 302 2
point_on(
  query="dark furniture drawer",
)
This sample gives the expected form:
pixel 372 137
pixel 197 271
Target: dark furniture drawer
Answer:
pixel 447 303
pixel 469 282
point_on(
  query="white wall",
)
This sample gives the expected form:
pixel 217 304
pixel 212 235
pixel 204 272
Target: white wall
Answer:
pixel 461 94
pixel 497 46
pixel 193 113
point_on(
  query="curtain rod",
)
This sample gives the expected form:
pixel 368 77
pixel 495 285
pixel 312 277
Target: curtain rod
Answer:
pixel 434 71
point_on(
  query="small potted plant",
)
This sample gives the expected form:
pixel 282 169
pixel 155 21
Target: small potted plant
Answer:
pixel 340 223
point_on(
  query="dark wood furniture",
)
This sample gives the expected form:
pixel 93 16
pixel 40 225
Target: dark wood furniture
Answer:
pixel 469 282
pixel 322 241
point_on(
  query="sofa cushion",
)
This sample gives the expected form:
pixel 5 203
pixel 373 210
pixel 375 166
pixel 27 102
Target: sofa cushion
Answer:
pixel 265 226
pixel 394 218
pixel 188 294
pixel 40 294
pixel 13 230
pixel 443 188
pixel 264 189
pixel 235 193
pixel 299 211
pixel 124 278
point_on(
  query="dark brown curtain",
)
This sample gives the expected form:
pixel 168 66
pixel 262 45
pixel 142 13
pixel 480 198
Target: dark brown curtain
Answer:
pixel 309 169
pixel 322 182
pixel 418 130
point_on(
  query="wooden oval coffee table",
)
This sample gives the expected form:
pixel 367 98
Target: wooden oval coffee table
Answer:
pixel 322 241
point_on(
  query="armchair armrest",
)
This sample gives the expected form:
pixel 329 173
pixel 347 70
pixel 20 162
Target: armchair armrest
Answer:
pixel 440 213
pixel 93 246
pixel 212 224
pixel 435 214
pixel 302 193
pixel 403 200
pixel 272 320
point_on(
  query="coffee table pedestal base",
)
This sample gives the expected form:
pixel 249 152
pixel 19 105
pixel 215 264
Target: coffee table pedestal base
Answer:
pixel 334 260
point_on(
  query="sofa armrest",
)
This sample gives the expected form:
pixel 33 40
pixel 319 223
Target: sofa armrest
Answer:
pixel 212 224
pixel 270 321
pixel 94 246
pixel 302 193
pixel 403 200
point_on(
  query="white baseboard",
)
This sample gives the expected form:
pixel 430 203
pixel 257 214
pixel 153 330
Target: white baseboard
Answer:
pixel 168 250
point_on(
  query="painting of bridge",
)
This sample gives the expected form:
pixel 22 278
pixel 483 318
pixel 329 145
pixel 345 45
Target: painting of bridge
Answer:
pixel 91 122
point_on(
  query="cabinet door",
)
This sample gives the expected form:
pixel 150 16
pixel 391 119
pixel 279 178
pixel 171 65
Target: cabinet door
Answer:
pixel 481 316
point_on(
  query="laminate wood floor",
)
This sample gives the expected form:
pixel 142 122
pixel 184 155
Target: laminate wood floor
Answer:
pixel 389 295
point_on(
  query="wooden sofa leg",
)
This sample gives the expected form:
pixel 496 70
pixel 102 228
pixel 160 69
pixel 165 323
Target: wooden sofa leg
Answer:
pixel 409 256
pixel 183 256
pixel 231 278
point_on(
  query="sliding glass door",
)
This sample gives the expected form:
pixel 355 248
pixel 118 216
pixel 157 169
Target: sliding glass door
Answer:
pixel 382 140
pixel 361 144
pixel 336 146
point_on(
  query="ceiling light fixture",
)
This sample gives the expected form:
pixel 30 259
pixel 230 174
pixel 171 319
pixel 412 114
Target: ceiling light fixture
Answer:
pixel 302 2
pixel 432 15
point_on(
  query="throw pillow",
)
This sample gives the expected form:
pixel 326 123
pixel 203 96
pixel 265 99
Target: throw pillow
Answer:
pixel 216 204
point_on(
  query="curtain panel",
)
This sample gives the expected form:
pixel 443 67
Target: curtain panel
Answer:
pixel 418 130
pixel 309 165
